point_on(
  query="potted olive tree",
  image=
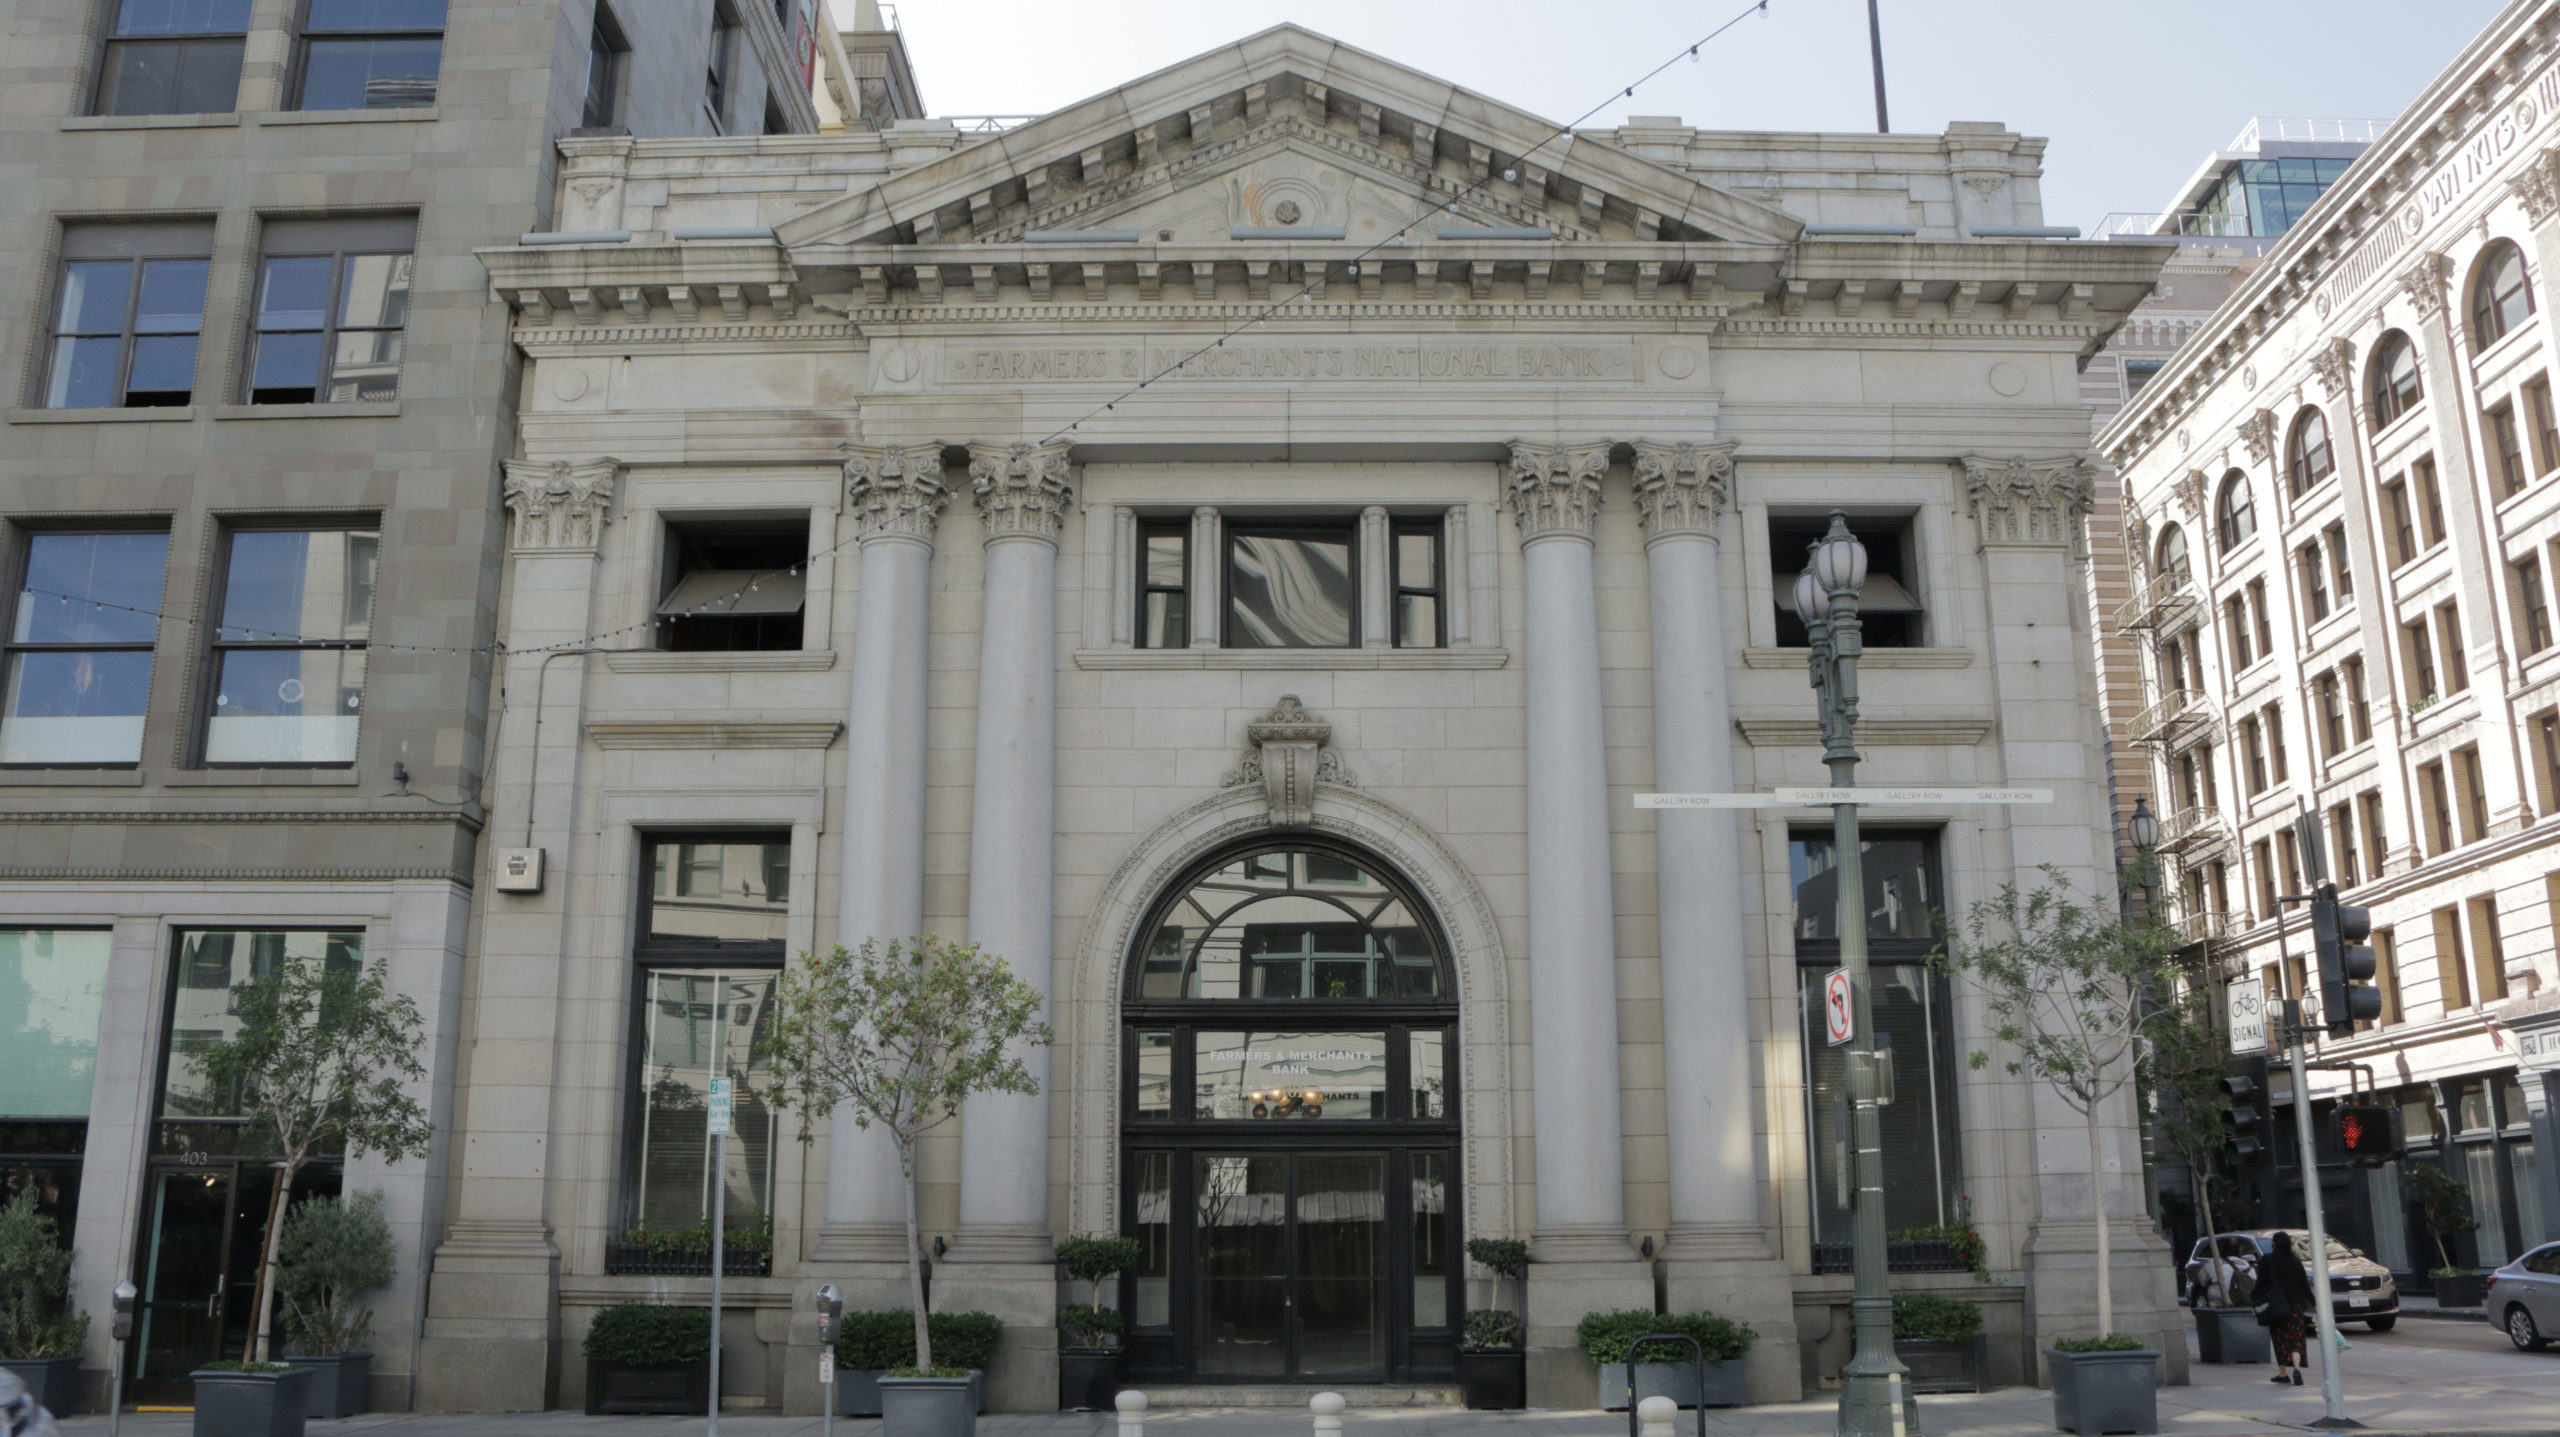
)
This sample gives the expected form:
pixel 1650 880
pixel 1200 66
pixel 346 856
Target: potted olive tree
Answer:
pixel 335 1250
pixel 1089 1361
pixel 1939 1338
pixel 2444 1210
pixel 648 1360
pixel 2074 992
pixel 40 1336
pixel 873 1345
pixel 902 1035
pixel 2182 1070
pixel 1493 1356
pixel 1664 1369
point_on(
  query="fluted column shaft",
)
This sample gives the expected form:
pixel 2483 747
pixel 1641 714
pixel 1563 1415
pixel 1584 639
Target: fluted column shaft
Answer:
pixel 1555 495
pixel 1022 491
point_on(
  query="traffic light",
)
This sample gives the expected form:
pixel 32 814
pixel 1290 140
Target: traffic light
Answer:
pixel 2338 931
pixel 2367 1133
pixel 2247 1116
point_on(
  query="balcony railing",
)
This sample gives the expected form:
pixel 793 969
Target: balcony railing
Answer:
pixel 647 1259
pixel 2201 927
pixel 2164 600
pixel 2190 827
pixel 2177 710
pixel 1929 1256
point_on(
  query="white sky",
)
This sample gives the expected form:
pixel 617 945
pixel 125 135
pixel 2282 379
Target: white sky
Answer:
pixel 2133 93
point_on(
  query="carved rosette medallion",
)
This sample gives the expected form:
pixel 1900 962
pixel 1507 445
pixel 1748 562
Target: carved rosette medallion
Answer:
pixel 1682 488
pixel 2258 432
pixel 1289 754
pixel 2422 284
pixel 895 492
pixel 1022 490
pixel 2039 502
pixel 1555 488
pixel 559 507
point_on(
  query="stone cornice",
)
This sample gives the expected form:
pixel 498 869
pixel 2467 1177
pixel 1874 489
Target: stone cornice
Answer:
pixel 894 492
pixel 245 815
pixel 559 507
pixel 1682 488
pixel 2019 501
pixel 1555 488
pixel 1022 490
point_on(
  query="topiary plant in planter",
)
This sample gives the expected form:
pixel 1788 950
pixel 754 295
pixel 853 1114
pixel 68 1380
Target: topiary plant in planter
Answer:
pixel 1089 1359
pixel 40 1334
pixel 647 1359
pixel 334 1251
pixel 1493 1360
pixel 1663 1368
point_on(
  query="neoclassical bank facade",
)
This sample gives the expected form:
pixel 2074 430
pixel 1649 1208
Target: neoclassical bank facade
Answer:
pixel 1236 548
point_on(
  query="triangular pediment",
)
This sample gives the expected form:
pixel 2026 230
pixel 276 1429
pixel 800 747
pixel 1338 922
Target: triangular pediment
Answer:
pixel 1287 129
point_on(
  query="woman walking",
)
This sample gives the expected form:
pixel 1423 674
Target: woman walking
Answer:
pixel 2287 1302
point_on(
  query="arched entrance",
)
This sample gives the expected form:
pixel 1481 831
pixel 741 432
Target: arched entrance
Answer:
pixel 1289 1115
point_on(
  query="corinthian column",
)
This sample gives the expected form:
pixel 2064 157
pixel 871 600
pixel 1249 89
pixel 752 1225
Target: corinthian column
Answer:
pixel 894 495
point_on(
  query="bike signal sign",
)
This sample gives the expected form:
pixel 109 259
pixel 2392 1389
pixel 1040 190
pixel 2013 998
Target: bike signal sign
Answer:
pixel 1838 1014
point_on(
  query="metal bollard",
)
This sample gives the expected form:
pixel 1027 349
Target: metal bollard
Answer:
pixel 1654 1416
pixel 1327 1407
pixel 1133 1413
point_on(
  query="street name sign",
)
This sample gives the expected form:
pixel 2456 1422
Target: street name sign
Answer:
pixel 1822 795
pixel 1838 1013
pixel 2246 1004
pixel 719 1108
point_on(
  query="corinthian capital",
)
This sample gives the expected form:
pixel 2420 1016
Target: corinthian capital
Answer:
pixel 1682 488
pixel 1022 489
pixel 2423 284
pixel 2258 432
pixel 2537 187
pixel 1555 488
pixel 896 491
pixel 2029 501
pixel 2335 364
pixel 559 506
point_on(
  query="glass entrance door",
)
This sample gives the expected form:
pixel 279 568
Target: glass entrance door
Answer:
pixel 200 1273
pixel 1292 1259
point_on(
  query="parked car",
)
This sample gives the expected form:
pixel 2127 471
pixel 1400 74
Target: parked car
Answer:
pixel 2524 1297
pixel 2361 1289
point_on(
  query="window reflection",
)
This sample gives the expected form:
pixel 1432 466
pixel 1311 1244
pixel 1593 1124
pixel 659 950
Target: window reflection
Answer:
pixel 1289 591
pixel 1901 897
pixel 1289 925
pixel 724 891
pixel 1284 1077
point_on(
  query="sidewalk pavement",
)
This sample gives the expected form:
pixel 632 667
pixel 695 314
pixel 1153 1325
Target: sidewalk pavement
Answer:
pixel 2394 1388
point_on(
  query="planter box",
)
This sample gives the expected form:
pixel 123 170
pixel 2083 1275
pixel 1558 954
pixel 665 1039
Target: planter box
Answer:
pixel 683 1390
pixel 2232 1334
pixel 1494 1379
pixel 858 1393
pixel 2469 1290
pixel 1946 1364
pixel 53 1381
pixel 338 1383
pixel 252 1404
pixel 929 1406
pixel 1675 1380
pixel 2095 1392
pixel 1088 1379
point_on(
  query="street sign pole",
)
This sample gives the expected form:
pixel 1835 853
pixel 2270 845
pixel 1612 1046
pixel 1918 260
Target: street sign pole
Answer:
pixel 719 1124
pixel 2333 1387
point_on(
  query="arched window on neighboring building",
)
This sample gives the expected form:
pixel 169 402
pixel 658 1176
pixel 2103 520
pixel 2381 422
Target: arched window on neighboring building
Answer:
pixel 2500 297
pixel 2169 556
pixel 2307 459
pixel 2393 384
pixel 2234 518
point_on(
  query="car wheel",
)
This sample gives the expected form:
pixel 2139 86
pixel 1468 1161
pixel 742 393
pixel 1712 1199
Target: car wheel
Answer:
pixel 2382 1324
pixel 2521 1331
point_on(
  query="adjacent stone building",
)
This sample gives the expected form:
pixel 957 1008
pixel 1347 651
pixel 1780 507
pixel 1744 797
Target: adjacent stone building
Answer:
pixel 1236 547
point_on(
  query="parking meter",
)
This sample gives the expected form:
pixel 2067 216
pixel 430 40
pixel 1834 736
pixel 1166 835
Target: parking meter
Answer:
pixel 830 1321
pixel 127 1298
pixel 830 1312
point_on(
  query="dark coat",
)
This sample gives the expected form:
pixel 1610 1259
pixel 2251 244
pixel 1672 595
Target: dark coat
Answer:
pixel 2283 1284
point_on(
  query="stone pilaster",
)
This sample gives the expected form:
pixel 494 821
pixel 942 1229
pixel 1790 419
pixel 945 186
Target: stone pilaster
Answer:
pixel 490 1342
pixel 1000 1259
pixel 1584 1260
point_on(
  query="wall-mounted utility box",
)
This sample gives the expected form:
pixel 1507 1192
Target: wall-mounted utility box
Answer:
pixel 519 870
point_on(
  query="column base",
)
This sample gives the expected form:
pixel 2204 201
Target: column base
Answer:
pixel 1024 1294
pixel 1573 1272
pixel 1731 1270
pixel 491 1341
pixel 861 1242
pixel 2061 1260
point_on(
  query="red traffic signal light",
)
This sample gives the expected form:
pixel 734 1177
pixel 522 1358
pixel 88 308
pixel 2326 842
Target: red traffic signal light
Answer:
pixel 2366 1132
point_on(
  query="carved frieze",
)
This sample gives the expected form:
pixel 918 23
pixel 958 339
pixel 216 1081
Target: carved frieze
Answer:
pixel 1022 490
pixel 1555 488
pixel 1288 754
pixel 559 507
pixel 2021 501
pixel 896 491
pixel 1682 488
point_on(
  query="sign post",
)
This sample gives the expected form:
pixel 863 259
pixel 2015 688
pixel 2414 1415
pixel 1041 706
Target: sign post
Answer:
pixel 2245 1004
pixel 719 1116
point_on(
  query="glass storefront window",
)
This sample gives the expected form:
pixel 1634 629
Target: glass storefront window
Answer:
pixel 1274 1076
pixel 1151 1193
pixel 2390 1222
pixel 2480 1169
pixel 210 963
pixel 1430 1072
pixel 721 891
pixel 1430 1239
pixel 1899 874
pixel 1306 924
pixel 697 1025
pixel 1155 1074
pixel 2528 1196
pixel 53 985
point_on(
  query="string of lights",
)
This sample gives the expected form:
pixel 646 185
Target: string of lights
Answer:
pixel 601 640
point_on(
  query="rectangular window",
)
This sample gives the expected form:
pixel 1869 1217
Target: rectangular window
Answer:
pixel 2376 837
pixel 1417 586
pixel 2436 803
pixel 1913 1018
pixel 173 57
pixel 1292 587
pixel 127 315
pixel 720 57
pixel 2314 567
pixel 2235 621
pixel 2263 858
pixel 333 300
pixel 605 51
pixel 2430 501
pixel 55 980
pixel 2275 743
pixel 2204 765
pixel 2533 614
pixel 2506 447
pixel 2453 982
pixel 2190 789
pixel 2488 952
pixel 2359 713
pixel 202 1013
pixel 2289 860
pixel 2404 537
pixel 2475 802
pixel 1890 614
pixel 2342 575
pixel 2253 743
pixel 79 652
pixel 2386 972
pixel 2421 660
pixel 2543 733
pixel 2457 666
pixel 2258 617
pixel 289 657
pixel 2219 879
pixel 2546 434
pixel 2342 834
pixel 370 54
pixel 1321 1076
pixel 1164 586
pixel 735 586
pixel 2333 715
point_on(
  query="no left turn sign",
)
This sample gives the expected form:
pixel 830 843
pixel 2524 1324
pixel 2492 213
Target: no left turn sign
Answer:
pixel 1837 1012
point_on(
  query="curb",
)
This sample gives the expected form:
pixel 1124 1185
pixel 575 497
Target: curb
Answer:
pixel 2449 1314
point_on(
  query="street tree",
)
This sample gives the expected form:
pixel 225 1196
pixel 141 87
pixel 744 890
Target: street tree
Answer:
pixel 2182 1070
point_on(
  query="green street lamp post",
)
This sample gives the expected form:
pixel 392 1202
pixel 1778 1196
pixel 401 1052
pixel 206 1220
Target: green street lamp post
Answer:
pixel 1873 1387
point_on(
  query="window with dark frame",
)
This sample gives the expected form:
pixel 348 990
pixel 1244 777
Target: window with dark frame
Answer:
pixel 2342 830
pixel 2453 977
pixel 173 57
pixel 734 586
pixel 2275 743
pixel 720 60
pixel 2253 743
pixel 2393 388
pixel 2436 801
pixel 1164 586
pixel 2359 712
pixel 2450 651
pixel 2386 974
pixel 331 312
pixel 2545 728
pixel 2533 614
pixel 1415 552
pixel 2262 858
pixel 2508 448
pixel 49 1031
pixel 79 651
pixel 2500 297
pixel 1890 612
pixel 2430 500
pixel 2333 716
pixel 2422 661
pixel 2260 618
pixel 2545 428
pixel 2404 535
pixel 128 310
pixel 2235 518
pixel 2341 574
pixel 2235 622
pixel 602 109
pixel 2488 949
pixel 2315 579
pixel 289 652
pixel 2376 837
pixel 369 54
pixel 2308 462
pixel 2474 797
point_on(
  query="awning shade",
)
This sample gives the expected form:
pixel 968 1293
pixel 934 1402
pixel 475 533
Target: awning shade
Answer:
pixel 735 591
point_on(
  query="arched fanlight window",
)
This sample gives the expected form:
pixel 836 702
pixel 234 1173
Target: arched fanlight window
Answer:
pixel 2500 298
pixel 2306 455
pixel 2170 554
pixel 1291 923
pixel 2394 379
pixel 2234 517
